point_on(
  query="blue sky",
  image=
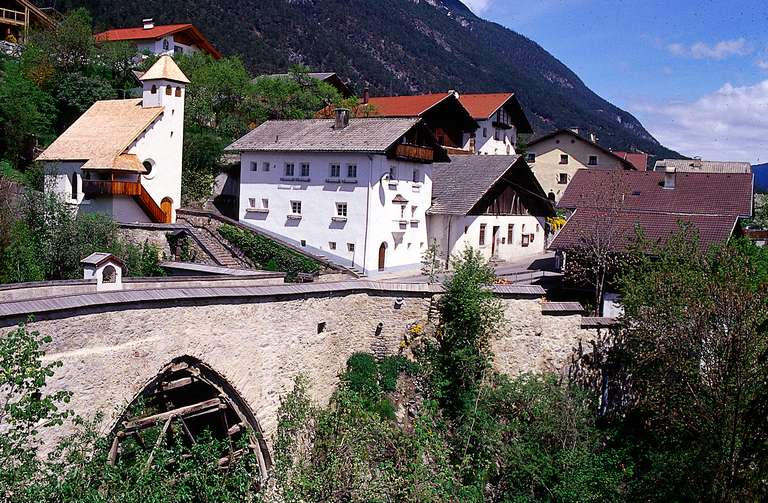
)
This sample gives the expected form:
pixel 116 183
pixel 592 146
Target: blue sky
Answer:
pixel 694 72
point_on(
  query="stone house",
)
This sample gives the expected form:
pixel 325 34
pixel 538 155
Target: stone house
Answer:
pixel 354 191
pixel 491 203
pixel 556 157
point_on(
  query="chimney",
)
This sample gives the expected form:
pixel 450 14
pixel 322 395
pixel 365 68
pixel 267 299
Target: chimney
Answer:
pixel 697 162
pixel 454 92
pixel 593 137
pixel 575 130
pixel 149 23
pixel 342 118
pixel 669 178
pixel 366 96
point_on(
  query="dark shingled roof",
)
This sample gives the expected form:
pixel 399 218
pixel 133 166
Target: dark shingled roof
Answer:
pixel 459 185
pixel 694 193
pixel 372 135
pixel 618 229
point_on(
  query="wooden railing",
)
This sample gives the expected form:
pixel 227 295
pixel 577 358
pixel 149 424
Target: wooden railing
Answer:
pixel 149 205
pixel 122 188
pixel 111 188
pixel 415 152
pixel 13 16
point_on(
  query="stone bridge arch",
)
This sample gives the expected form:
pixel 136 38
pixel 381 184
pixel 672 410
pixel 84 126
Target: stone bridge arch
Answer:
pixel 186 397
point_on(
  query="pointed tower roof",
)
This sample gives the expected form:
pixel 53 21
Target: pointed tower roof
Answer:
pixel 165 69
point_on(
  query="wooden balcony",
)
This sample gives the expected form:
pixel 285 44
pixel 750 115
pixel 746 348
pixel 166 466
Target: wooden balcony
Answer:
pixel 414 152
pixel 111 188
pixel 134 189
pixel 8 16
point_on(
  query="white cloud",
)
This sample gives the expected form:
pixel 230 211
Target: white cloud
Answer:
pixel 762 64
pixel 477 6
pixel 721 50
pixel 729 124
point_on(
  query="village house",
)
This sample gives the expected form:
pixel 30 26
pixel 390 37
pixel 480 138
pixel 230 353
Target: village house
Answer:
pixel 442 113
pixel 500 119
pixel 17 17
pixel 556 157
pixel 123 157
pixel 170 40
pixel 699 166
pixel 491 203
pixel 638 159
pixel 611 209
pixel 354 191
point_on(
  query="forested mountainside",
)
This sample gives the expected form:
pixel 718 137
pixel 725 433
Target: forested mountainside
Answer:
pixel 394 47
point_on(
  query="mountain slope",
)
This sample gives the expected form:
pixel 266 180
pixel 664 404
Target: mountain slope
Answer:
pixel 394 47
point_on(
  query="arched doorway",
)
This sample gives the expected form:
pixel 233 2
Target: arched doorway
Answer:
pixel 187 400
pixel 551 196
pixel 382 256
pixel 167 206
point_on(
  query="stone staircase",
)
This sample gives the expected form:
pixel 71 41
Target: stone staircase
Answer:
pixel 220 253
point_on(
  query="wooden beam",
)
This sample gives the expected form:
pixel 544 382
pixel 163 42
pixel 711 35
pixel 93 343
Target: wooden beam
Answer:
pixel 113 451
pixel 178 383
pixel 157 443
pixel 187 431
pixel 140 423
pixel 236 429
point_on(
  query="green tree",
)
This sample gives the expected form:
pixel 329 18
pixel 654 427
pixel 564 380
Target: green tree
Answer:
pixel 695 350
pixel 431 262
pixel 295 96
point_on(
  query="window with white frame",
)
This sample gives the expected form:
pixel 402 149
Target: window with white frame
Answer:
pixel 563 158
pixel 265 166
pixel 251 202
pixel 481 240
pixel 335 171
pixel 305 169
pixel 592 160
pixel 416 175
pixel 562 178
pixel 393 172
pixel 296 207
pixel 341 209
pixel 350 247
pixel 265 203
pixel 289 169
pixel 254 166
pixel 352 171
pixel 332 245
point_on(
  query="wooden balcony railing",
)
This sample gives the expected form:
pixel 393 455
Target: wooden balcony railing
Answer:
pixel 12 17
pixel 414 152
pixel 122 188
pixel 111 188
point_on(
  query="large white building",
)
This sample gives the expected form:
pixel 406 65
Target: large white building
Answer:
pixel 355 191
pixel 491 203
pixel 123 157
pixel 162 40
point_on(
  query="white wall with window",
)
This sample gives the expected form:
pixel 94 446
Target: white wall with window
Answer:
pixel 491 140
pixel 342 205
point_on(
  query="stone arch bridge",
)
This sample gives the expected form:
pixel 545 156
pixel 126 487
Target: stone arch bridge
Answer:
pixel 258 337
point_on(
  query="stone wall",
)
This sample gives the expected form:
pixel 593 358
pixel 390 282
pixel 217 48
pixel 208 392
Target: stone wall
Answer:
pixel 261 345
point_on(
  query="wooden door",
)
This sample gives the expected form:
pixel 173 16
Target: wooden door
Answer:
pixel 167 206
pixel 382 256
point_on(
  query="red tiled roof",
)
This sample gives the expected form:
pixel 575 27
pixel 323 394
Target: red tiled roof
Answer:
pixel 156 32
pixel 618 229
pixel 482 106
pixel 405 106
pixel 694 193
pixel 638 159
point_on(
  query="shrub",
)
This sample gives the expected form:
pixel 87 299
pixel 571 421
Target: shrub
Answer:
pixel 269 254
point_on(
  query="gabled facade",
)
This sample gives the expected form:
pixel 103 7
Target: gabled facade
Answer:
pixel 556 157
pixel 162 40
pixel 442 113
pixel 123 157
pixel 354 191
pixel 491 203
pixel 500 119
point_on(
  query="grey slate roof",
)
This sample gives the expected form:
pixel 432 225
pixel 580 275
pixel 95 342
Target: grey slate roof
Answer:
pixel 457 186
pixel 698 166
pixel 98 258
pixel 371 135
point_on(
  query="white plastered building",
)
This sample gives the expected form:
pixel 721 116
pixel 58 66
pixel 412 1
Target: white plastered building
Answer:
pixel 500 119
pixel 490 203
pixel 355 191
pixel 124 157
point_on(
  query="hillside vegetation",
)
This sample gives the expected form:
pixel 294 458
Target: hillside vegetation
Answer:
pixel 394 47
